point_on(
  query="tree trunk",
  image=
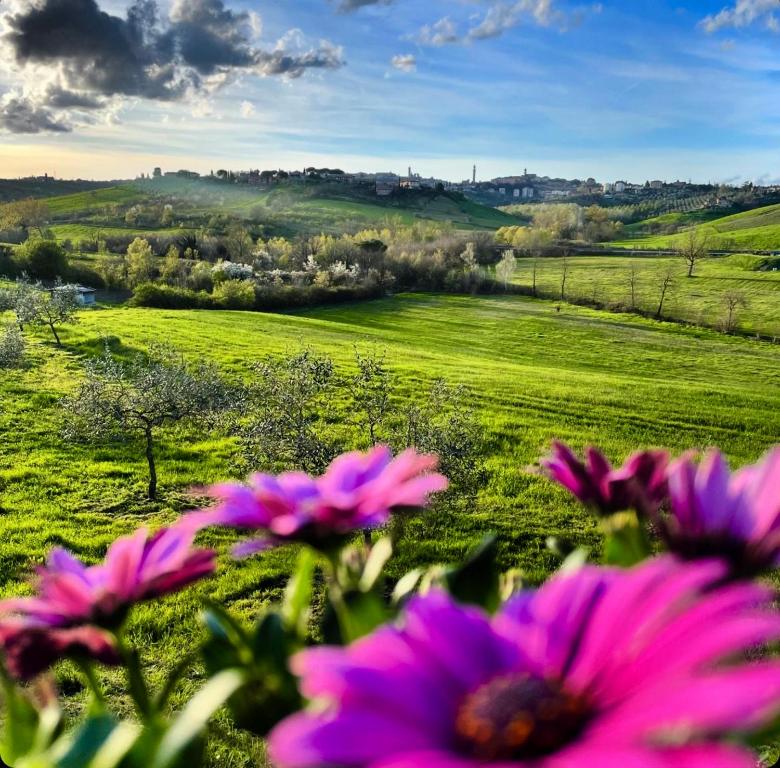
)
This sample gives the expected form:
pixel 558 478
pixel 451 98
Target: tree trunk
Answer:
pixel 152 468
pixel 691 265
pixel 56 336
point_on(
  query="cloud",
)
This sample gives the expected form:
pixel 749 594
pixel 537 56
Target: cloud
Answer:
pixel 405 62
pixel 90 56
pixel 247 109
pixel 348 6
pixel 501 16
pixel 742 14
pixel 20 115
pixel 443 32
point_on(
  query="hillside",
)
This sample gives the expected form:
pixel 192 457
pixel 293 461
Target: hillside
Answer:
pixel 284 209
pixel 756 230
pixel 632 383
pixel 18 189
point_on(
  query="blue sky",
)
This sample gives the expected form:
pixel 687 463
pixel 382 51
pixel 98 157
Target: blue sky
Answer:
pixel 631 89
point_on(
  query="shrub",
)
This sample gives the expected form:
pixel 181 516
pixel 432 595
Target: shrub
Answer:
pixel 167 297
pixel 11 347
pixel 234 294
pixel 43 259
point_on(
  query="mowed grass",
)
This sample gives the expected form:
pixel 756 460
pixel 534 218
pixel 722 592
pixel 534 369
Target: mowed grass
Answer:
pixel 699 300
pixel 756 230
pixel 534 374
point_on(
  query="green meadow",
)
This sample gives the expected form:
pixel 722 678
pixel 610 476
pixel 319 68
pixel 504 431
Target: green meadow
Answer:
pixel 756 230
pixel 605 280
pixel 533 373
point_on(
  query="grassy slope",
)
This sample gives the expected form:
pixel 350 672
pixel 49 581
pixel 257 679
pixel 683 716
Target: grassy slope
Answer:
pixel 697 300
pixel 289 208
pixel 755 230
pixel 535 375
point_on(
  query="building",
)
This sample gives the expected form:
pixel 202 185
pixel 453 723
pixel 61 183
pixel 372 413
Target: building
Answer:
pixel 86 297
pixel 620 187
pixel 387 184
pixel 528 193
pixel 656 184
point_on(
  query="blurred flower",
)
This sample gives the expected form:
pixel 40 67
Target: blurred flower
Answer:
pixel 716 513
pixel 598 667
pixel 75 603
pixel 357 491
pixel 640 484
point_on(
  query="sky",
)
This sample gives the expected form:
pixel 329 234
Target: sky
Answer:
pixel 616 89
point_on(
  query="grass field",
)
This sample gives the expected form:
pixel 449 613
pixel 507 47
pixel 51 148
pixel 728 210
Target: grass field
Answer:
pixel 535 374
pixel 285 209
pixel 699 300
pixel 756 230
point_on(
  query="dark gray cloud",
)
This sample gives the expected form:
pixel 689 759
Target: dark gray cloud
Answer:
pixel 98 55
pixel 348 6
pixel 20 115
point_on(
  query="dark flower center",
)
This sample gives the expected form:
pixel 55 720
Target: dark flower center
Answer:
pixel 518 717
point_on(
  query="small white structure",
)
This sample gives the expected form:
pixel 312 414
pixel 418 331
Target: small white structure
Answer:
pixel 86 297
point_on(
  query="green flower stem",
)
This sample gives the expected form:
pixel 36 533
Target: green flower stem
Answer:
pixel 99 703
pixel 136 683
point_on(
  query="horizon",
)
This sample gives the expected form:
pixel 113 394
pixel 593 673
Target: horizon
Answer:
pixel 663 90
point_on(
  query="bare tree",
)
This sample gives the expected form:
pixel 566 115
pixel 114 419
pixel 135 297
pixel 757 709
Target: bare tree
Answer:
pixel 564 276
pixel 695 247
pixel 506 268
pixel 119 400
pixel 534 273
pixel 667 282
pixel 633 279
pixel 732 301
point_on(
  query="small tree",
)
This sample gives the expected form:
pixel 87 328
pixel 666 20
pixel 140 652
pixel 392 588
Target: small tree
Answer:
pixel 11 347
pixel 564 276
pixel 140 262
pixel 286 403
pixel 695 248
pixel 24 214
pixel 732 301
pixel 633 281
pixel 534 275
pixel 119 400
pixel 506 268
pixel 239 243
pixel 370 389
pixel 666 284
pixel 43 259
pixel 58 307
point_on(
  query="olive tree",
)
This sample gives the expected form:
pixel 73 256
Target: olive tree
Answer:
pixel 124 400
pixel 11 347
pixel 34 305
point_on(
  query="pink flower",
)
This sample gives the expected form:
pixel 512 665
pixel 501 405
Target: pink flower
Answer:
pixel 717 513
pixel 76 603
pixel 603 668
pixel 357 491
pixel 640 484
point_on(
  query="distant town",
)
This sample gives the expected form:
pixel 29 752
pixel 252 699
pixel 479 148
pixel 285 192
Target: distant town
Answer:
pixel 503 190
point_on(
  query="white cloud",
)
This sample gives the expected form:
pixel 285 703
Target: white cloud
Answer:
pixel 247 109
pixel 742 14
pixel 443 32
pixel 405 62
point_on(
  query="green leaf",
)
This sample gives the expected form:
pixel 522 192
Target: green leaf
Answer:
pixel 406 585
pixel 81 747
pixel 297 597
pixel 360 613
pixel 477 580
pixel 192 720
pixel 626 540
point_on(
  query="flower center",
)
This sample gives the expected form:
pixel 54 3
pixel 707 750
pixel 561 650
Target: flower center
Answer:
pixel 518 717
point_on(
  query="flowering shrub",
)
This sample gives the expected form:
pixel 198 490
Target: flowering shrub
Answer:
pixel 229 270
pixel 656 659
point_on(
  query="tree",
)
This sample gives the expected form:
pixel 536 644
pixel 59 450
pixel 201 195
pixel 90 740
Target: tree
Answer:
pixel 534 274
pixel 11 347
pixel 43 259
pixel 140 262
pixel 506 268
pixel 633 279
pixel 174 269
pixel 239 243
pixel 370 390
pixel 24 214
pixel 123 400
pixel 695 247
pixel 564 276
pixel 732 301
pixel 58 307
pixel 285 405
pixel 667 282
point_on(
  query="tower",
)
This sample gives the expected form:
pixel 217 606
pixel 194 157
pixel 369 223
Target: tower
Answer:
pixel 474 175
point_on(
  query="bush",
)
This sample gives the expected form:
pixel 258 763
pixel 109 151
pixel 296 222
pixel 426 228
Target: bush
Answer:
pixel 43 259
pixel 234 294
pixel 161 296
pixel 11 347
